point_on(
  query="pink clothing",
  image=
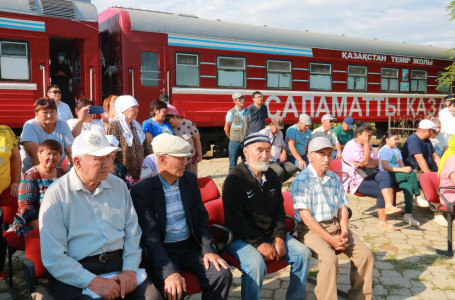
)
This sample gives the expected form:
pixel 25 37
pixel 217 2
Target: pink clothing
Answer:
pixel 352 153
pixel 444 179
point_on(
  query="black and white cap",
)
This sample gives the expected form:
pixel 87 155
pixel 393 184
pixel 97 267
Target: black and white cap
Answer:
pixel 255 138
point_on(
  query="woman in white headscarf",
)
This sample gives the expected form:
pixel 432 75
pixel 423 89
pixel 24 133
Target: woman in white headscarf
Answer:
pixel 130 135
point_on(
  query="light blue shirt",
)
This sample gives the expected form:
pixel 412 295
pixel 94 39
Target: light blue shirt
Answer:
pixel 322 197
pixel 230 116
pixel 33 132
pixel 176 228
pixel 301 138
pixel 75 223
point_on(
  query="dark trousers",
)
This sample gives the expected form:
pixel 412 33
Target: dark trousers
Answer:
pixel 188 256
pixel 284 170
pixel 372 187
pixel 60 290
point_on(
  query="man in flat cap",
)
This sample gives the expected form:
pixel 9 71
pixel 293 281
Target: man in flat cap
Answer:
pixel 175 234
pixel 279 163
pixel 320 207
pixel 236 127
pixel 89 231
pixel 254 211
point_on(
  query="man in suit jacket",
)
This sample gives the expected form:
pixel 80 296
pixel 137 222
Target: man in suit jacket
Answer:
pixel 173 219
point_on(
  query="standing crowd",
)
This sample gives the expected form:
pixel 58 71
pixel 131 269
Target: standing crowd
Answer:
pixel 119 210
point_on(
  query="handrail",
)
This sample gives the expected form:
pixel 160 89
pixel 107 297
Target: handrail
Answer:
pixel 41 67
pixel 132 81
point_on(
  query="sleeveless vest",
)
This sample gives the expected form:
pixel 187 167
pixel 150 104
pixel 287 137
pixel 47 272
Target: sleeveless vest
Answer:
pixel 239 127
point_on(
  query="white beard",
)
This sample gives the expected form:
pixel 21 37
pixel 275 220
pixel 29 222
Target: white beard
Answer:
pixel 261 166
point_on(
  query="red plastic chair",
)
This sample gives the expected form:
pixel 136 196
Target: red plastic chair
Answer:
pixel 431 190
pixel 11 241
pixel 209 190
pixel 272 266
pixel 33 265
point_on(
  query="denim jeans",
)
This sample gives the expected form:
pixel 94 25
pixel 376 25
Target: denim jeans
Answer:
pixel 234 152
pixel 295 161
pixel 254 269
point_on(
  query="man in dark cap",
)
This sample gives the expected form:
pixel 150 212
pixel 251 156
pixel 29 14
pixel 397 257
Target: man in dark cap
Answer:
pixel 345 131
pixel 279 163
pixel 254 211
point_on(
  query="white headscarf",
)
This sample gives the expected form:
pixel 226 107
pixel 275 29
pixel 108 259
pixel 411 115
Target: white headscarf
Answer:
pixel 121 105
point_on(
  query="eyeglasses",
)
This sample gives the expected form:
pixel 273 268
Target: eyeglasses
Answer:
pixel 240 99
pixel 56 92
pixel 43 102
pixel 331 121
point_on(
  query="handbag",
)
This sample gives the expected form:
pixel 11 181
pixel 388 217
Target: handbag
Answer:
pixel 365 173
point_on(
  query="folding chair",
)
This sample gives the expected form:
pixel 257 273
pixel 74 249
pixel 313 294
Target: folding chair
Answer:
pixel 209 190
pixel 431 190
pixel 10 241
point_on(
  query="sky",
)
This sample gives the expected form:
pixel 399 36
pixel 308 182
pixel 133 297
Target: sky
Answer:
pixel 411 21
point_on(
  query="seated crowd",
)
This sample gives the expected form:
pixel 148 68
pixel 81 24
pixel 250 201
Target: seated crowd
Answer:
pixel 125 217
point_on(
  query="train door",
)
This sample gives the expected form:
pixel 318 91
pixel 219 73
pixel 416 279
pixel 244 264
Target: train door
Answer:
pixel 78 89
pixel 149 81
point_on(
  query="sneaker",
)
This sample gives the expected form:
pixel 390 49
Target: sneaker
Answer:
pixel 407 218
pixel 383 225
pixel 422 202
pixel 440 220
pixel 392 210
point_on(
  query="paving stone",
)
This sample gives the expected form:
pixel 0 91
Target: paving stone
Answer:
pixel 383 265
pixel 391 273
pixel 379 290
pixel 400 281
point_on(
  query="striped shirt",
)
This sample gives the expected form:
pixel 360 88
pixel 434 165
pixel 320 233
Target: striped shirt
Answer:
pixel 31 193
pixel 322 197
pixel 176 228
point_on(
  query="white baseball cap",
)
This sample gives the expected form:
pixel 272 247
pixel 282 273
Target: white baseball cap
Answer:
pixel 427 124
pixel 327 117
pixel 171 145
pixel 92 142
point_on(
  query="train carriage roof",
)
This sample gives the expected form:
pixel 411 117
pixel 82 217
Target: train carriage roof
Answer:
pixel 79 10
pixel 161 22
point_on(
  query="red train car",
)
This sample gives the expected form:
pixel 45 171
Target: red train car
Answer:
pixel 201 62
pixel 32 34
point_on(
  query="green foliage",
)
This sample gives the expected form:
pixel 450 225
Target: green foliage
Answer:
pixel 448 77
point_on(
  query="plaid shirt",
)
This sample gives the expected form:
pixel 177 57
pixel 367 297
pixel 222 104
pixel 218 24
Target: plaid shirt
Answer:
pixel 176 228
pixel 322 197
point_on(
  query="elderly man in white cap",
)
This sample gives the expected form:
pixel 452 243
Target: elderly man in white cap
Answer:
pixel 297 138
pixel 325 130
pixel 133 144
pixel 320 207
pixel 89 230
pixel 175 233
pixel 254 211
pixel 236 127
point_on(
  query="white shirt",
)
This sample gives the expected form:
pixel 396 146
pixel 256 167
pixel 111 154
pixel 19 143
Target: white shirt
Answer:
pixel 391 155
pixel 447 124
pixel 330 135
pixel 278 143
pixel 74 224
pixel 93 124
pixel 64 111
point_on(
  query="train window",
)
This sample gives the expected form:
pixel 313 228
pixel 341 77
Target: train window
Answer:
pixel 389 80
pixel 149 69
pixel 187 69
pixel 279 74
pixel 445 89
pixel 231 71
pixel 14 61
pixel 418 81
pixel 320 77
pixel 357 78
